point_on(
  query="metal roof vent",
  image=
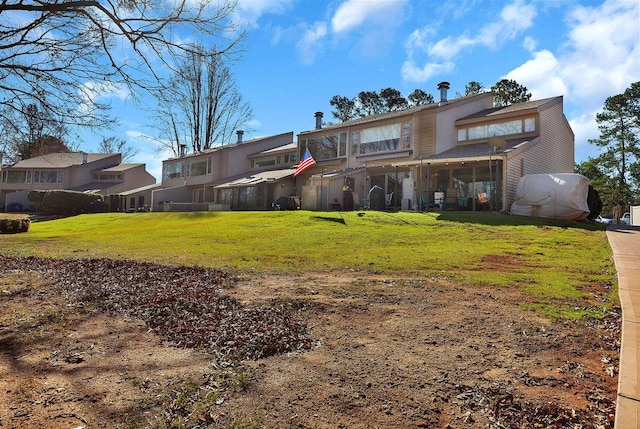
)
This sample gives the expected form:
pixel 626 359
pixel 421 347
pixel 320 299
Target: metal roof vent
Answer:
pixel 443 87
pixel 319 116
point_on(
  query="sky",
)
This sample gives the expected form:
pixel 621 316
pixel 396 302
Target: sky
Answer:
pixel 300 53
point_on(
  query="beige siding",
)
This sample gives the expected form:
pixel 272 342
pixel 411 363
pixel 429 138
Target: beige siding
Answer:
pixel 557 132
pixel 423 133
pixel 513 173
pixel 555 151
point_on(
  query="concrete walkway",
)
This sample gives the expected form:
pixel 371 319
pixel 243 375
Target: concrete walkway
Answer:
pixel 625 242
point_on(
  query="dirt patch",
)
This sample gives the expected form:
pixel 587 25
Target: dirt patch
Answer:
pixel 386 352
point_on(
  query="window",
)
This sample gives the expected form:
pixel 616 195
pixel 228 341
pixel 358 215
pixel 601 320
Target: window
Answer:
pixel 380 139
pixel 16 176
pixel 287 158
pixel 406 135
pixel 48 176
pixel 505 128
pixel 173 170
pixel 478 132
pixel 263 162
pixel 355 139
pixel 326 147
pixel 225 196
pixel 199 167
pixel 498 129
pixel 529 125
pixel 108 177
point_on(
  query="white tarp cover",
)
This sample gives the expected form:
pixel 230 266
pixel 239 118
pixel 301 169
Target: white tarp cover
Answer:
pixel 552 196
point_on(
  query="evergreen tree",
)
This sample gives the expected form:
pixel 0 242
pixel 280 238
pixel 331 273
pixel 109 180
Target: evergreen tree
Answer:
pixel 507 92
pixel 345 108
pixel 619 125
pixel 419 98
pixel 393 99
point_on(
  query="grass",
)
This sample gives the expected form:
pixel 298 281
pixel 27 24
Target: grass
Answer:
pixel 552 262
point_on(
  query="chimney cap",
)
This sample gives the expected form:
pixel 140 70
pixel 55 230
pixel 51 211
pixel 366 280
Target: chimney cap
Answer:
pixel 443 85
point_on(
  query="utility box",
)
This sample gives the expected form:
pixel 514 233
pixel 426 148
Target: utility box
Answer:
pixel 635 215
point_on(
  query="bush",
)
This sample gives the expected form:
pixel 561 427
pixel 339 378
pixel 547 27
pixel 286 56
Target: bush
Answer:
pixel 62 202
pixel 14 226
pixel 594 202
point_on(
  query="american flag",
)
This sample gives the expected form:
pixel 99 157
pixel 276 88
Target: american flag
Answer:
pixel 307 161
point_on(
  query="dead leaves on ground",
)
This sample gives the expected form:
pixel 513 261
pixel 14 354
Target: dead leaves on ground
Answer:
pixel 185 305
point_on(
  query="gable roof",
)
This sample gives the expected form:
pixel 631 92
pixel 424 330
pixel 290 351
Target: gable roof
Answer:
pixel 276 150
pixel 398 113
pixel 227 147
pixel 62 159
pixel 513 109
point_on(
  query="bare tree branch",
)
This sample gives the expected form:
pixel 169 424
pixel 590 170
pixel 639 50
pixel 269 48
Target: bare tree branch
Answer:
pixel 65 55
pixel 202 104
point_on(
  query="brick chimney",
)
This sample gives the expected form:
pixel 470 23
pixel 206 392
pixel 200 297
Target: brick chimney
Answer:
pixel 319 116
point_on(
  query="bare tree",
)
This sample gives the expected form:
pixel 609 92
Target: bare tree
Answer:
pixel 59 53
pixel 113 145
pixel 29 133
pixel 202 106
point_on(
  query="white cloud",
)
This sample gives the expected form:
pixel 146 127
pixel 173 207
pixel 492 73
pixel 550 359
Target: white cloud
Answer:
pixel 413 73
pixel 514 19
pixel 600 58
pixel 93 92
pixel 449 47
pixel 151 155
pixel 310 43
pixel 248 12
pixel 585 128
pixel 542 75
pixel 530 44
pixel 603 50
pixel 353 13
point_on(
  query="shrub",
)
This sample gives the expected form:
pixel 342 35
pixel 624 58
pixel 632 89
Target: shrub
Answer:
pixel 14 226
pixel 594 202
pixel 63 202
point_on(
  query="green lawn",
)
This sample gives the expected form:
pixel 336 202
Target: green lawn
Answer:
pixel 555 263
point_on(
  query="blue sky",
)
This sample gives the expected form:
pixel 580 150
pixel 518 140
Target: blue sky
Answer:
pixel 300 53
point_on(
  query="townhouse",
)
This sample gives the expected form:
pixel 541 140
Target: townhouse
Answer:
pixel 102 173
pixel 460 154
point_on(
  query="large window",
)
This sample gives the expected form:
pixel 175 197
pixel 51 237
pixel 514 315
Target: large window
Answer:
pixel 173 170
pixel 16 176
pixel 48 176
pixel 380 139
pixel 327 147
pixel 505 128
pixel 385 138
pixel 199 167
